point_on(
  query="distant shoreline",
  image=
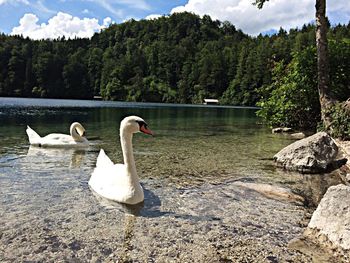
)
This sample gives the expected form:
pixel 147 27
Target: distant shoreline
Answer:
pixel 80 103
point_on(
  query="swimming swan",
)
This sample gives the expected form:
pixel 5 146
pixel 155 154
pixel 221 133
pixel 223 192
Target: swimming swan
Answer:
pixel 75 139
pixel 119 182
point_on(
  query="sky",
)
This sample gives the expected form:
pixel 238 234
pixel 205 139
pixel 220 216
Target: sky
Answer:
pixel 40 19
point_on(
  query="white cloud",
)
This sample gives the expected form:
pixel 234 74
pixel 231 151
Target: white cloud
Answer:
pixel 275 14
pixel 60 25
pixel 14 2
pixel 86 11
pixel 153 16
pixel 107 21
pixel 28 23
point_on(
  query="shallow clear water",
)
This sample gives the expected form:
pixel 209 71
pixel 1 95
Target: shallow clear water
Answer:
pixel 192 211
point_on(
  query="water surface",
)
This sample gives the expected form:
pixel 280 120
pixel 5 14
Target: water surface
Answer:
pixel 193 211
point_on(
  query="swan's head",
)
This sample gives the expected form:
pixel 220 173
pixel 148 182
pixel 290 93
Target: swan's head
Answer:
pixel 78 128
pixel 134 124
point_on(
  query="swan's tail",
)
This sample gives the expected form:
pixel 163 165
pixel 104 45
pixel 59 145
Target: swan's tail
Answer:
pixel 33 137
pixel 103 160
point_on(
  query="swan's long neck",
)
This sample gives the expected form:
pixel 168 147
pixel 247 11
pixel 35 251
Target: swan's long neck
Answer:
pixel 128 155
pixel 75 135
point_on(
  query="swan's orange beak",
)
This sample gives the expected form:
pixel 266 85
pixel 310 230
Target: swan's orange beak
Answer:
pixel 146 130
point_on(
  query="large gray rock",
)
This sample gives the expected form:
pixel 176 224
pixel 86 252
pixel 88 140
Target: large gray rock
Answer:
pixel 313 154
pixel 330 223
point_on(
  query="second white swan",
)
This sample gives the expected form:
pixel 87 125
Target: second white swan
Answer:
pixel 119 182
pixel 75 139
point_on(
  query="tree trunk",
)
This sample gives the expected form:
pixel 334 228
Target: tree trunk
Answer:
pixel 326 100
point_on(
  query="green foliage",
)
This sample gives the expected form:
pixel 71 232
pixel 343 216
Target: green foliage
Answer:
pixel 178 59
pixel 292 99
pixel 253 71
pixel 339 63
pixel 75 76
pixel 156 91
pixel 114 90
pixel 340 115
pixel 39 92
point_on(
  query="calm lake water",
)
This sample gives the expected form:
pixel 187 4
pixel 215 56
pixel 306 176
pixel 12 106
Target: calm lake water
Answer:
pixel 193 210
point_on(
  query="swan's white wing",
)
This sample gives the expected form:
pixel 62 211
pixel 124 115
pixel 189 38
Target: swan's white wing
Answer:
pixel 62 140
pixel 110 180
pixel 33 137
pixel 106 173
pixel 103 160
pixel 57 139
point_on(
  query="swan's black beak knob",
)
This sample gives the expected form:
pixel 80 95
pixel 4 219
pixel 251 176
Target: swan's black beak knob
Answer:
pixel 144 129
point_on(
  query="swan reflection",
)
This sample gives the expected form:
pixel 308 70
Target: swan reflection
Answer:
pixel 75 156
pixel 150 207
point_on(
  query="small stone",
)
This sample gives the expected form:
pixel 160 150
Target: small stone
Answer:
pixel 281 130
pixel 298 135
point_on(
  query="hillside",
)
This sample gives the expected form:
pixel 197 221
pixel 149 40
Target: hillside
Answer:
pixel 180 59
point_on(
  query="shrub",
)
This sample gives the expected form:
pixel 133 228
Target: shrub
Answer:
pixel 292 98
pixel 340 127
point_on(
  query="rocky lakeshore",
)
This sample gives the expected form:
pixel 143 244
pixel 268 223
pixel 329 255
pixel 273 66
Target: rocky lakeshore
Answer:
pixel 329 225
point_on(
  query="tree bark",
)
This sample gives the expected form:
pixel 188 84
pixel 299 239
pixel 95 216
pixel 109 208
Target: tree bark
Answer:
pixel 326 99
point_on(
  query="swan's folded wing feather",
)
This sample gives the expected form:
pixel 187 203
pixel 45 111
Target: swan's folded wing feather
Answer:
pixel 33 137
pixel 103 160
pixel 111 182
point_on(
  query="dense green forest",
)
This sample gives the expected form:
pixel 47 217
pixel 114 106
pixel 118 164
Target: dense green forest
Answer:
pixel 179 59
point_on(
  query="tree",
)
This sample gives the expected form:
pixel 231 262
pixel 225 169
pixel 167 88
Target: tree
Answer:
pixel 325 98
pixel 16 71
pixel 114 90
pixel 291 99
pixel 253 71
pixel 48 71
pixel 29 81
pixel 75 77
pixel 95 68
pixel 181 58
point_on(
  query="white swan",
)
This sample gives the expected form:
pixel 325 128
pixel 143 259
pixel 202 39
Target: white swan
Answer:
pixel 75 139
pixel 119 182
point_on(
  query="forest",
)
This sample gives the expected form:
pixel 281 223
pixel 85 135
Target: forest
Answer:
pixel 182 58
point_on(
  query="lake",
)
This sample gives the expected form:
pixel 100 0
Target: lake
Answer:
pixel 193 209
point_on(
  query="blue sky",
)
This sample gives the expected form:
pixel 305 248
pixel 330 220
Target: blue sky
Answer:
pixel 52 18
pixel 12 10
